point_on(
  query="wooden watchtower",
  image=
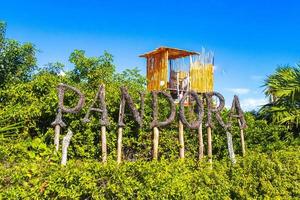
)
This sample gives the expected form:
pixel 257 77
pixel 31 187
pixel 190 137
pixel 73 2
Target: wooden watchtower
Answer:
pixel 179 70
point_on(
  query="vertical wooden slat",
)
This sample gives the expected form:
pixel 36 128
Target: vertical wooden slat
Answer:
pixel 156 77
pixel 242 140
pixel 181 140
pixel 166 55
pixel 201 144
pixel 103 135
pixel 120 135
pixel 56 137
pixel 119 145
pixel 211 72
pixel 65 145
pixel 103 144
pixel 209 144
pixel 148 73
pixel 230 147
pixel 155 143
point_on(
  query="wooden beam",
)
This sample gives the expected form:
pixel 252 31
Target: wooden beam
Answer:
pixel 201 144
pixel 155 143
pixel 119 145
pixel 181 140
pixel 242 139
pixel 56 137
pixel 209 144
pixel 103 144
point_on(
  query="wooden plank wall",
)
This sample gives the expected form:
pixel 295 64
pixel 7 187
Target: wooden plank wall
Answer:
pixel 157 71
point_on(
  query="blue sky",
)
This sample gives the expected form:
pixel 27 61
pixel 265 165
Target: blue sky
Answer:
pixel 249 38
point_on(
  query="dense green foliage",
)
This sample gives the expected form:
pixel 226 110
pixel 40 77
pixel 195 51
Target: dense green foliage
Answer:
pixel 283 89
pixel 272 176
pixel 17 61
pixel 30 169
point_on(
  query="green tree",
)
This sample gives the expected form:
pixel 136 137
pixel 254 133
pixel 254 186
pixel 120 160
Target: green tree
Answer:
pixel 56 68
pixel 17 61
pixel 283 90
pixel 92 70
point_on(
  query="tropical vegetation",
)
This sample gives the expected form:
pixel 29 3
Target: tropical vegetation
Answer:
pixel 283 90
pixel 29 168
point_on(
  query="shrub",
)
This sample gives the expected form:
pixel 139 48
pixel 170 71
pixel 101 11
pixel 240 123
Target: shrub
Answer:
pixel 259 175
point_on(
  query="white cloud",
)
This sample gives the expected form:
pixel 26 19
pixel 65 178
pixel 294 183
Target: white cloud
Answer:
pixel 249 104
pixel 239 90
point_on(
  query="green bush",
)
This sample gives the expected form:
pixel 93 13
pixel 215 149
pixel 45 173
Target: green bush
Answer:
pixel 259 175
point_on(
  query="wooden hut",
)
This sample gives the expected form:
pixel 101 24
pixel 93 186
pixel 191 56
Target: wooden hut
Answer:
pixel 179 70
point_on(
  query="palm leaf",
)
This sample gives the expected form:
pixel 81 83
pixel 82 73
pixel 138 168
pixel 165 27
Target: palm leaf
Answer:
pixel 283 90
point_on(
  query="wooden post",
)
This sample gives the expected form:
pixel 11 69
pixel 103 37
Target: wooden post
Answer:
pixel 65 145
pixel 103 144
pixel 201 145
pixel 120 133
pixel 103 135
pixel 242 140
pixel 155 143
pixel 230 147
pixel 209 144
pixel 56 137
pixel 181 140
pixel 119 145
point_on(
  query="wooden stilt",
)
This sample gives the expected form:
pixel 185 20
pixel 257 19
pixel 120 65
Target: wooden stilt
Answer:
pixel 65 145
pixel 103 144
pixel 230 147
pixel 209 144
pixel 119 145
pixel 242 141
pixel 181 140
pixel 155 143
pixel 201 144
pixel 56 137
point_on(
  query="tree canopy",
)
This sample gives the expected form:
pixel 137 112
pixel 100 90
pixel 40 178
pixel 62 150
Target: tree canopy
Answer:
pixel 17 61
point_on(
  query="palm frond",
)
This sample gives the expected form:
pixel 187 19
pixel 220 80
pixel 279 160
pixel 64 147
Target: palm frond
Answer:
pixel 283 88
